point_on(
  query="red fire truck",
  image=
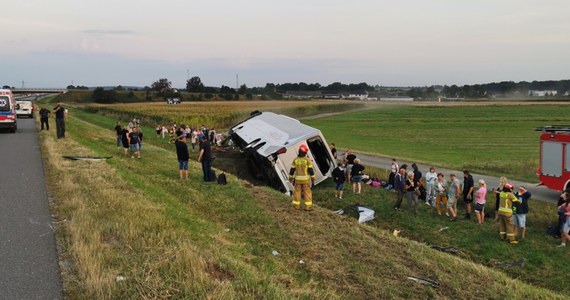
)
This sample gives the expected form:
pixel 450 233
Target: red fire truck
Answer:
pixel 554 168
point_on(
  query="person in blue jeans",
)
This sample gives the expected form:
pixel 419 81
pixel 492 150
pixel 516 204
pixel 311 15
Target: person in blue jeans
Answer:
pixel 205 157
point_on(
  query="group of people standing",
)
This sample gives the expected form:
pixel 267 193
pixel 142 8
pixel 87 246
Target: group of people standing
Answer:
pixel 130 137
pixel 60 119
pixel 511 207
pixel 348 168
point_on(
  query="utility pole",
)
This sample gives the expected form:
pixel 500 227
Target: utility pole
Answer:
pixel 187 75
pixel 23 86
pixel 237 81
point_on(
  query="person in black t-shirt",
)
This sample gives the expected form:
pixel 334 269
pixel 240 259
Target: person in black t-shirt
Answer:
pixel 183 156
pixel 134 142
pixel 205 157
pixel 468 187
pixel 60 116
pixel 118 134
pixel 44 117
pixel 125 139
pixel 356 173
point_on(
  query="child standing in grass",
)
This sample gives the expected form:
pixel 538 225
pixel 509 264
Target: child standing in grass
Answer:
pixel 339 179
pixel 480 200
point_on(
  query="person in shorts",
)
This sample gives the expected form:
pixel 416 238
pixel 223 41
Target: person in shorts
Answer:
pixel 339 179
pixel 480 200
pixel 356 176
pixel 134 142
pixel 183 156
pixel 520 210
pixel 452 196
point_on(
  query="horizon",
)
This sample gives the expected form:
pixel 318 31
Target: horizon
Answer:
pixel 412 44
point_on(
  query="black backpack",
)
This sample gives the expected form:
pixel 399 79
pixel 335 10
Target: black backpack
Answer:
pixel 222 179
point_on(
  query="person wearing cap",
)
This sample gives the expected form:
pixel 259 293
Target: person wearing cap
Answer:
pixel 302 176
pixel 520 210
pixel 506 225
pixel 480 200
pixel 205 157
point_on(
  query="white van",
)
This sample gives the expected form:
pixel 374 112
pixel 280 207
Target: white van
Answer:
pixel 271 143
pixel 24 108
pixel 7 110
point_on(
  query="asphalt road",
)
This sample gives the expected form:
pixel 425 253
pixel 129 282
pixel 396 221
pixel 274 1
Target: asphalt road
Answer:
pixel 29 267
pixel 538 192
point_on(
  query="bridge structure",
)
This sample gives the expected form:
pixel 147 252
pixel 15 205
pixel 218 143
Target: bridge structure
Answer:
pixel 38 91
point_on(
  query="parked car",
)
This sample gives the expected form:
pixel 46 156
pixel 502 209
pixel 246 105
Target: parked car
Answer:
pixel 7 110
pixel 270 143
pixel 24 108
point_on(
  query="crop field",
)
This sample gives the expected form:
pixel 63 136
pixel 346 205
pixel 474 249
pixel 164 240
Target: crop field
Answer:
pixel 489 139
pixel 131 228
pixel 216 114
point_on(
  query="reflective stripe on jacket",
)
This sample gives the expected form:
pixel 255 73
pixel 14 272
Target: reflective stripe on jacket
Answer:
pixel 302 169
pixel 506 202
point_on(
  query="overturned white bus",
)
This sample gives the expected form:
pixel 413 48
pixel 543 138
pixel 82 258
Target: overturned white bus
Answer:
pixel 270 143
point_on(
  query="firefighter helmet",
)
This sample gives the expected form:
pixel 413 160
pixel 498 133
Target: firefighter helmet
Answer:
pixel 509 186
pixel 303 148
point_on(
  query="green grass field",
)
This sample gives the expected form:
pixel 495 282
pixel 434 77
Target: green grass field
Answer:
pixel 488 139
pixel 166 238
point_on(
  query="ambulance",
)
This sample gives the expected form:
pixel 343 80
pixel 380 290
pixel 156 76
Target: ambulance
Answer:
pixel 7 111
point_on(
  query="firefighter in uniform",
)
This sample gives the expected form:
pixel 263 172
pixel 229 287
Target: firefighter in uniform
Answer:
pixel 302 176
pixel 506 225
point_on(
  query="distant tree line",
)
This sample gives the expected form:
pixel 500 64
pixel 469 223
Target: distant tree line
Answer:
pixel 494 89
pixel 199 91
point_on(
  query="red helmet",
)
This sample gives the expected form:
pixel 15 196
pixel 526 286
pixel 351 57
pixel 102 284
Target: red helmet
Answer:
pixel 509 186
pixel 303 148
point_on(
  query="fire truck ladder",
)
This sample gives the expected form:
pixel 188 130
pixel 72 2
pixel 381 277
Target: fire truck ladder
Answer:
pixel 554 128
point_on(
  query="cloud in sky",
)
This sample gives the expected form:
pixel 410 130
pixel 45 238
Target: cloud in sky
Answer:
pixel 412 42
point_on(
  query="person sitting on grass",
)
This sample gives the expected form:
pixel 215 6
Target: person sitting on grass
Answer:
pixel 521 210
pixel 565 209
pixel 480 200
pixel 452 195
pixel 441 192
pixel 339 179
pixel 356 176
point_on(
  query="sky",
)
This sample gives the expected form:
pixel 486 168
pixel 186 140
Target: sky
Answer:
pixel 391 43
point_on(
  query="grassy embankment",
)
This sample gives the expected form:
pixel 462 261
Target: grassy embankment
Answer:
pixel 488 139
pixel 186 239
